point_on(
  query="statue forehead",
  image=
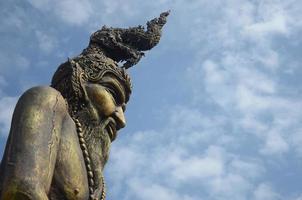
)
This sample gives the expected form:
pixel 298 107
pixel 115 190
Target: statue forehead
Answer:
pixel 110 78
pixel 97 71
pixel 115 82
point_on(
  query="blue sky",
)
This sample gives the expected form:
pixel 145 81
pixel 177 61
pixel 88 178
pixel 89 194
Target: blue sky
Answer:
pixel 216 107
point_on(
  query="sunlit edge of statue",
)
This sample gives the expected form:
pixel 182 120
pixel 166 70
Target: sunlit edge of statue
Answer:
pixel 60 135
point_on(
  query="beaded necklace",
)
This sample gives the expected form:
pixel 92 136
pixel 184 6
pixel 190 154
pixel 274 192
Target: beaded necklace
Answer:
pixel 87 160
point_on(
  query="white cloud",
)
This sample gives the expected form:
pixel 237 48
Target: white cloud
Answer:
pixel 218 82
pixel 13 20
pixel 231 186
pixel 274 144
pixel 276 24
pixel 207 166
pixel 73 12
pixel 265 192
pixel 251 169
pixel 18 61
pixel 243 76
pixel 7 105
pixel 22 62
pixel 295 140
pixel 2 81
pixel 252 124
pixel 46 42
pixel 254 97
pixel 40 4
pixel 299 198
pixel 250 101
pixel 150 191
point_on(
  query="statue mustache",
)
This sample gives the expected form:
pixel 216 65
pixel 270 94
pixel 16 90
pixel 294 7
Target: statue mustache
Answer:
pixel 105 122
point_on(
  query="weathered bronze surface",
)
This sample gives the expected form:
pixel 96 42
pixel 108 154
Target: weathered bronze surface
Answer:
pixel 60 136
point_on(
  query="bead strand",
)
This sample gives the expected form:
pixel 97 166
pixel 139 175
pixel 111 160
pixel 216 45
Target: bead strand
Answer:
pixel 86 158
pixel 103 196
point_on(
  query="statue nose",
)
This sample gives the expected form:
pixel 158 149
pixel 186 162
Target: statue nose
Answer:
pixel 119 118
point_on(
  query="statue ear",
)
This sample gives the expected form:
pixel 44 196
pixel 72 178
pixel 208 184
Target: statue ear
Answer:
pixel 83 101
pixel 81 78
pixel 79 95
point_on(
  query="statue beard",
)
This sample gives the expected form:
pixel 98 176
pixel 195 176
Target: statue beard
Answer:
pixel 98 143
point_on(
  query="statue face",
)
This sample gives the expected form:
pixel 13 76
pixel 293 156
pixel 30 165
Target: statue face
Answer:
pixel 108 102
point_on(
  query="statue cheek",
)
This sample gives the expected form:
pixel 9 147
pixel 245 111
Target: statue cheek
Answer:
pixel 104 103
pixel 101 99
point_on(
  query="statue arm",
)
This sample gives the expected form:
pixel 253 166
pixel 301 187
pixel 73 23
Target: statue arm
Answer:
pixel 31 150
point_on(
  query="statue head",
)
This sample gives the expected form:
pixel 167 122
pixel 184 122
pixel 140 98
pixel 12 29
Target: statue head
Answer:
pixel 97 89
pixel 94 92
pixel 99 61
pixel 97 96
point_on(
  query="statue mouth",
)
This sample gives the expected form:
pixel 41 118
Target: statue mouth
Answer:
pixel 111 129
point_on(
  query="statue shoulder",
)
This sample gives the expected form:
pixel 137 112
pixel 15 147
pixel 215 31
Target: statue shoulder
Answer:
pixel 35 135
pixel 44 97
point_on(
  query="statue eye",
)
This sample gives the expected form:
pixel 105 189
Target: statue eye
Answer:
pixel 113 93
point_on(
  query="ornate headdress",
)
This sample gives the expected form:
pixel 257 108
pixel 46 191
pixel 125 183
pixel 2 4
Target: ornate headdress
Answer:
pixel 107 48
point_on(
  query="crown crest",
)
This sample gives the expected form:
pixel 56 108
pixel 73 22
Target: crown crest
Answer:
pixel 127 45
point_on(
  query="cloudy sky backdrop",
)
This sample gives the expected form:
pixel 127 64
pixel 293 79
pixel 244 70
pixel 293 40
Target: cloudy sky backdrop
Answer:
pixel 216 108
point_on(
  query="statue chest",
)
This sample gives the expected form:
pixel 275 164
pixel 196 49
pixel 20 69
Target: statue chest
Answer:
pixel 70 175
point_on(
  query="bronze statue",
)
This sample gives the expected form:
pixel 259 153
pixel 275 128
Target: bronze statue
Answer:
pixel 60 135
